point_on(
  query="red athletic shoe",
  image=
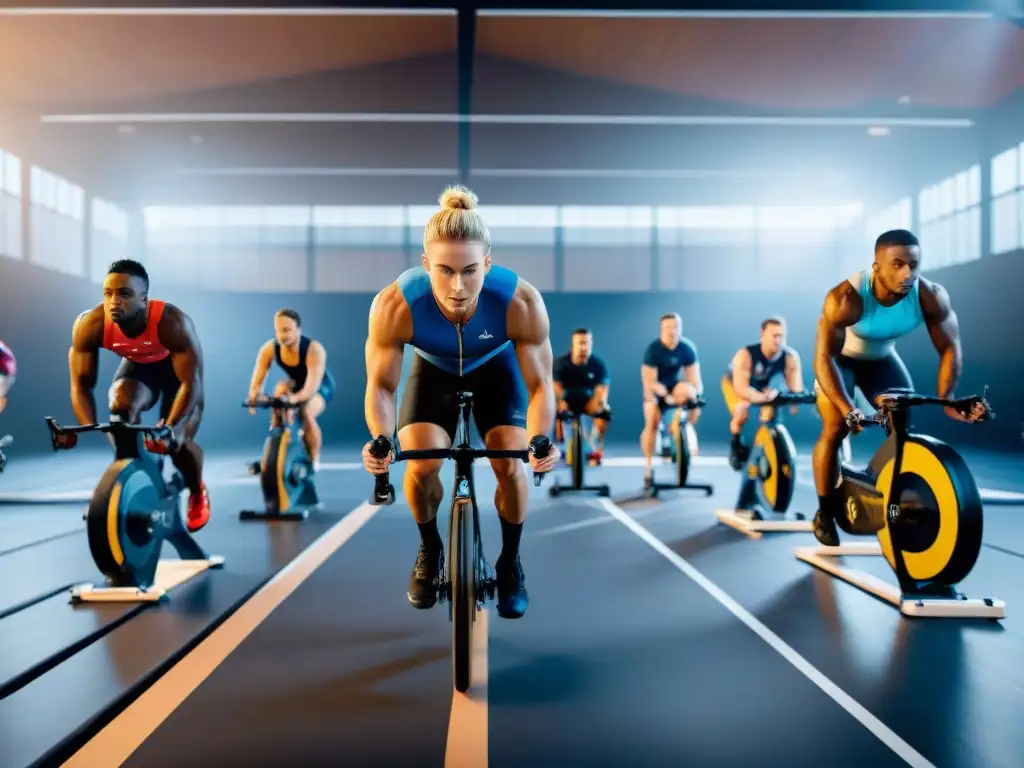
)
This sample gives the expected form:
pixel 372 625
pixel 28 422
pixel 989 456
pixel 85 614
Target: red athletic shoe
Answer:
pixel 198 510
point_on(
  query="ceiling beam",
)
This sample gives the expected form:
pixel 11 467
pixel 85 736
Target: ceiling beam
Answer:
pixel 709 8
pixel 466 41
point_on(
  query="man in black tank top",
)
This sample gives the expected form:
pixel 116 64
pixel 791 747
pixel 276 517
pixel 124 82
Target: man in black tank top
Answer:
pixel 304 360
pixel 747 381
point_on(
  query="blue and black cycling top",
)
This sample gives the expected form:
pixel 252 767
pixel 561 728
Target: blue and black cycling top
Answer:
pixel 459 350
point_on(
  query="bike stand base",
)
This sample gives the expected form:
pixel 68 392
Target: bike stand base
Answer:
pixel 291 515
pixel 601 490
pixel 57 497
pixel 654 489
pixel 959 607
pixel 169 574
pixel 743 521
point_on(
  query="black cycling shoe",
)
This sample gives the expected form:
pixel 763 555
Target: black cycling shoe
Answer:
pixel 513 599
pixel 424 579
pixel 825 529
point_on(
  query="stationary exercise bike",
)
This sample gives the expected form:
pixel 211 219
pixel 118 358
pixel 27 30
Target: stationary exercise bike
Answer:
pixel 575 458
pixel 285 469
pixel 920 499
pixel 673 445
pixel 769 476
pixel 467 580
pixel 132 513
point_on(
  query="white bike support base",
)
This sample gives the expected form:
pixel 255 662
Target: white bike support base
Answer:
pixel 169 574
pixel 959 607
pixel 743 521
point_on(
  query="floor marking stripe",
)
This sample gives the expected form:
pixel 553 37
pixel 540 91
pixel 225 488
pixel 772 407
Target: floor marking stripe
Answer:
pixel 879 729
pixel 127 732
pixel 467 726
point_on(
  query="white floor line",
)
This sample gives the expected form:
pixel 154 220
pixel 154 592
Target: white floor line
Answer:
pixel 467 724
pixel 879 729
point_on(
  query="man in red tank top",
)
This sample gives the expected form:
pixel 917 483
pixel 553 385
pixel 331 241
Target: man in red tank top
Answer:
pixel 161 361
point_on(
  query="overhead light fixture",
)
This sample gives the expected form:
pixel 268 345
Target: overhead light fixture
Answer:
pixel 878 130
pixel 196 139
pixel 126 130
pixel 904 100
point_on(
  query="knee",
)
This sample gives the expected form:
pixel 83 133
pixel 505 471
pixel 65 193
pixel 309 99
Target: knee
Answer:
pixel 121 398
pixel 833 432
pixel 422 470
pixel 282 388
pixel 505 470
pixel 741 410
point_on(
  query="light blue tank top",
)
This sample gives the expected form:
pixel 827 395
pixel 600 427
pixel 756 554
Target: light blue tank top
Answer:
pixel 437 340
pixel 874 334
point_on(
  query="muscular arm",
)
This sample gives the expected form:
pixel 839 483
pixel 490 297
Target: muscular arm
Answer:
pixel 944 329
pixel 603 385
pixel 178 334
pixel 842 309
pixel 741 378
pixel 692 374
pixel 83 363
pixel 316 365
pixel 529 329
pixel 794 372
pixel 264 359
pixel 389 329
pixel 649 382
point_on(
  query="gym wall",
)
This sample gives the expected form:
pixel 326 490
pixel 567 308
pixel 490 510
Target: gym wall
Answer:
pixel 39 307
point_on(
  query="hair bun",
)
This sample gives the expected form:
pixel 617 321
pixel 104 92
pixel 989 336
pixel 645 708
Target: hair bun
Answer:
pixel 458 197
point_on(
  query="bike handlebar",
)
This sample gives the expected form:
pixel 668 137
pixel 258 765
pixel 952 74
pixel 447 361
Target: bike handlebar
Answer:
pixel 793 398
pixel 898 400
pixel 5 441
pixel 66 438
pixel 540 446
pixel 689 405
pixel 271 402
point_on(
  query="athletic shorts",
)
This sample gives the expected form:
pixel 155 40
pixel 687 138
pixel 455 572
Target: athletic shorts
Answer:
pixel 499 395
pixel 325 390
pixel 159 378
pixel 873 376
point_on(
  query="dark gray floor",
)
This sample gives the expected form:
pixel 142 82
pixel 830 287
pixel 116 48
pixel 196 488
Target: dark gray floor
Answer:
pixel 621 659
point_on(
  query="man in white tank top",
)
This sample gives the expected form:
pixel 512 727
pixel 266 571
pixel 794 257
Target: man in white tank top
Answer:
pixel 860 322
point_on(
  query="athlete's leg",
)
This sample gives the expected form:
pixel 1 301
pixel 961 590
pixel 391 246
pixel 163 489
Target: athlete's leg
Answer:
pixel 652 419
pixel 683 392
pixel 499 407
pixel 596 407
pixel 825 460
pixel 427 418
pixel 739 410
pixel 312 437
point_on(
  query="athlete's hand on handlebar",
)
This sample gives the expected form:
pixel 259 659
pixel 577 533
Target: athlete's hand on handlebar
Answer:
pixel 855 420
pixel 374 465
pixel 542 462
pixel 978 411
pixel 162 440
pixel 767 396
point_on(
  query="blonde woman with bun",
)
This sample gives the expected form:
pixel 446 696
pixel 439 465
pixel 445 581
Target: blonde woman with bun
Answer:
pixel 477 327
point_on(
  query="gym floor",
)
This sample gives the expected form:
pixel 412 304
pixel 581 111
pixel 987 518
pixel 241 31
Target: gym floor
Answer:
pixel 655 636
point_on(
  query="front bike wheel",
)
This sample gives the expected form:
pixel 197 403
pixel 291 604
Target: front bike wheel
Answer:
pixel 682 446
pixel 462 551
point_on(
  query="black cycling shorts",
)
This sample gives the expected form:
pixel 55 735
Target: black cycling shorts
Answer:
pixel 873 376
pixel 499 395
pixel 159 378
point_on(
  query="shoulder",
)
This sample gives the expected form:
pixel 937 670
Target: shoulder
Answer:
pixel 788 353
pixel 389 313
pixel 316 348
pixel 597 363
pixel 174 318
pixel 843 305
pixel 527 318
pixel 934 298
pixel 88 326
pixel 688 346
pixel 742 355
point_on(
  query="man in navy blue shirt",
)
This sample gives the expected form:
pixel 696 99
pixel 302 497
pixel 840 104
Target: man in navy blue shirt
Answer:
pixel 670 375
pixel 581 386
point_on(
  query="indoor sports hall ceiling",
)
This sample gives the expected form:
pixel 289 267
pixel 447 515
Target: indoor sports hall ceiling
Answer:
pixel 69 63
